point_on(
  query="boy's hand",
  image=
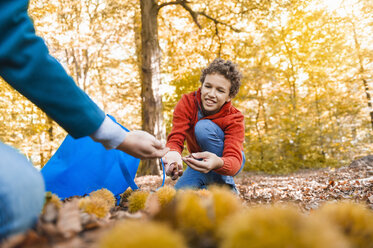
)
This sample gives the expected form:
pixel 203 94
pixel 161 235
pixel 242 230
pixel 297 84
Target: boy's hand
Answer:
pixel 173 164
pixel 203 161
pixel 141 144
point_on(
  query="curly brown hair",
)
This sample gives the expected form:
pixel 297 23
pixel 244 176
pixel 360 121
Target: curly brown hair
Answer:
pixel 227 69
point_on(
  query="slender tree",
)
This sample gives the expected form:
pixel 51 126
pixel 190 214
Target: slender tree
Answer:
pixel 362 72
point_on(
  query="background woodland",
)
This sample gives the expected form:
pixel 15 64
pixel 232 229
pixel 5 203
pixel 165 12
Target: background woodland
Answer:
pixel 307 72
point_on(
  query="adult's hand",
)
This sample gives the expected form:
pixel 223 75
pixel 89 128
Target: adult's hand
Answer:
pixel 203 161
pixel 173 164
pixel 141 144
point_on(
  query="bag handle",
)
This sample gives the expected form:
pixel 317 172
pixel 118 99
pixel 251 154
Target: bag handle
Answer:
pixel 128 177
pixel 123 167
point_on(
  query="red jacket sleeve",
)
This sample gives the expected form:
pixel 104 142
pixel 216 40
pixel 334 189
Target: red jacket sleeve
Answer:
pixel 181 122
pixel 234 134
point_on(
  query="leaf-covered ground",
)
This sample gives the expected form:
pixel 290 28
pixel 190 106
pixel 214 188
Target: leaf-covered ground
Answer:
pixel 70 227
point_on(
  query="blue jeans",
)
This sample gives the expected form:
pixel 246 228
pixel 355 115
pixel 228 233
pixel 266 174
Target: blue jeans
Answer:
pixel 21 192
pixel 210 138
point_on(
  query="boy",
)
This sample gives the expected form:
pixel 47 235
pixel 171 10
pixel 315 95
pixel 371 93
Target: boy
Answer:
pixel 213 128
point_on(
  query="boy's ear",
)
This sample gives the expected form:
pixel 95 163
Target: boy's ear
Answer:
pixel 229 99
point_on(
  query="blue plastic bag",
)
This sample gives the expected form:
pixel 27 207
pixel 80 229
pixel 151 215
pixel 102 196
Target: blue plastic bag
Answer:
pixel 81 166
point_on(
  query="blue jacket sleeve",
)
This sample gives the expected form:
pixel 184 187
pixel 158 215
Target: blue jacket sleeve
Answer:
pixel 27 66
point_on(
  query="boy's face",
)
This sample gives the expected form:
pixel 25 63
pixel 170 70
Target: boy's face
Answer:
pixel 214 93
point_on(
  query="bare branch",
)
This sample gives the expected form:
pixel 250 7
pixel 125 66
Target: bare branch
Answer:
pixel 219 22
pixel 194 14
pixel 219 39
pixel 169 3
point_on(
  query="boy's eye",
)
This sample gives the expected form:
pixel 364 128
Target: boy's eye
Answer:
pixel 207 86
pixel 220 90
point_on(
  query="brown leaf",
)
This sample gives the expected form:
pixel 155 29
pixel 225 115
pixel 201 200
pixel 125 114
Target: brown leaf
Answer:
pixel 28 239
pixel 89 221
pixel 75 242
pixel 13 241
pixel 69 223
pixel 48 229
pixel 152 205
pixel 126 215
pixel 50 213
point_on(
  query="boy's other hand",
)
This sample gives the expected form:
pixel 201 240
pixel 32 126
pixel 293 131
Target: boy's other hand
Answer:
pixel 173 164
pixel 203 161
pixel 141 144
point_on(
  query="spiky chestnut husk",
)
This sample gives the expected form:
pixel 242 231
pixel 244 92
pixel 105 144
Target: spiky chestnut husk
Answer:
pixel 168 213
pixel 137 200
pixel 165 195
pixel 194 214
pixel 104 194
pixel 226 203
pixel 94 205
pixel 141 234
pixel 52 198
pixel 354 219
pixel 279 226
pixel 203 193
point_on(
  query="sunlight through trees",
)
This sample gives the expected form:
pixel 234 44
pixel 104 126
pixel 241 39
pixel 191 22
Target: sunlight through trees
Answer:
pixel 307 67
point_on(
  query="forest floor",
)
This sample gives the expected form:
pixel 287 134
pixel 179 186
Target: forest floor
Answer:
pixel 307 189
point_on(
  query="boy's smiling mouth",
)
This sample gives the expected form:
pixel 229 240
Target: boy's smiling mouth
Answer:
pixel 209 102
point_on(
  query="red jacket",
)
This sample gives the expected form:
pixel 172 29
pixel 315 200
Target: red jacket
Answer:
pixel 229 119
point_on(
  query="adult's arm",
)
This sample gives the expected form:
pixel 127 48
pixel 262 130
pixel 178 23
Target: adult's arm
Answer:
pixel 27 66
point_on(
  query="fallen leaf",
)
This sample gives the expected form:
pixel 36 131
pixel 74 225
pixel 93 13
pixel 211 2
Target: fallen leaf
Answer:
pixel 152 205
pixel 69 223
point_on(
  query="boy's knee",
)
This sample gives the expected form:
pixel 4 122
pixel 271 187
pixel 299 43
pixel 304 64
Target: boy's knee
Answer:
pixel 209 136
pixel 202 126
pixel 205 128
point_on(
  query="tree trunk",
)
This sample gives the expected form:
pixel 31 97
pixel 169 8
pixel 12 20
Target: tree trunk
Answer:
pixel 258 128
pixel 362 74
pixel 152 116
pixel 50 137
